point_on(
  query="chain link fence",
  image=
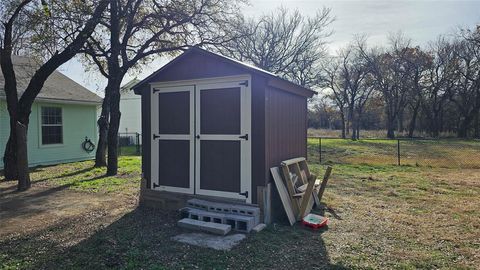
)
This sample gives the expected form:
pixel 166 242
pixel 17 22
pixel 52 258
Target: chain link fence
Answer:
pixel 129 144
pixel 442 153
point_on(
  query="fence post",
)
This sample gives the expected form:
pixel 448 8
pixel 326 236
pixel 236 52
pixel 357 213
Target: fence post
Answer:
pixel 137 143
pixel 119 147
pixel 398 151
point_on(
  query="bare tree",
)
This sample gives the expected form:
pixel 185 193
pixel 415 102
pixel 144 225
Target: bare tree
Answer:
pixel 133 31
pixel 335 89
pixel 465 93
pixel 388 70
pixel 16 160
pixel 285 43
pixel 437 83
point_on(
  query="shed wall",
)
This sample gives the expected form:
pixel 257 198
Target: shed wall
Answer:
pixel 285 127
pixel 146 136
pixel 199 66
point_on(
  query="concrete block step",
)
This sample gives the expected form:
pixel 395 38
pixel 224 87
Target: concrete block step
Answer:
pixel 236 222
pixel 225 208
pixel 215 228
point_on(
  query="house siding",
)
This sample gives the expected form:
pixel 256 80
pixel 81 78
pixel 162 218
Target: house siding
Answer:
pixel 131 113
pixel 79 121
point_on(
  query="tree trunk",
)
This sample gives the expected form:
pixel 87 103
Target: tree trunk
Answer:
pixel 100 155
pixel 112 167
pixel 400 121
pixel 390 124
pixel 413 121
pixel 477 125
pixel 359 122
pixel 10 157
pixel 463 128
pixel 22 157
pixel 351 117
pixel 342 116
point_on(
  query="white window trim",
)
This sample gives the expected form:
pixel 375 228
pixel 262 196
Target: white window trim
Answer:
pixel 40 125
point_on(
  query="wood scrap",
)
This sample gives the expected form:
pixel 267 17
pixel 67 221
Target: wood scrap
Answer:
pixel 305 206
pixel 284 194
pixel 328 172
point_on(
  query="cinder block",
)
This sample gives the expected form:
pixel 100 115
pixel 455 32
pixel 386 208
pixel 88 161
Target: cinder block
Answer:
pixel 225 208
pixel 240 223
pixel 259 227
pixel 215 228
pixel 240 217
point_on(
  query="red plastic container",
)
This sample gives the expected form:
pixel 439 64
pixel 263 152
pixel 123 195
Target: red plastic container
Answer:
pixel 314 221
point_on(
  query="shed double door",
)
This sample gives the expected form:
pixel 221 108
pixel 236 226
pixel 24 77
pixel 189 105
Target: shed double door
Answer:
pixel 201 139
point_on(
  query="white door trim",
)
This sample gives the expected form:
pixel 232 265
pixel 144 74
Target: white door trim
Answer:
pixel 245 145
pixel 211 80
pixel 154 149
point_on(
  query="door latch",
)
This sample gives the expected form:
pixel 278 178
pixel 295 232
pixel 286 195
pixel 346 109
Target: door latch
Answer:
pixel 244 194
pixel 155 136
pixel 244 137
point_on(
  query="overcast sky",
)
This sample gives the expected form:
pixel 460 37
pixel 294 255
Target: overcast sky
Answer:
pixel 420 20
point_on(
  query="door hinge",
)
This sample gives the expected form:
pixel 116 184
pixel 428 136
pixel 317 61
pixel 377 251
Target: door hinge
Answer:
pixel 156 90
pixel 244 137
pixel 155 136
pixel 244 194
pixel 245 83
pixel 155 185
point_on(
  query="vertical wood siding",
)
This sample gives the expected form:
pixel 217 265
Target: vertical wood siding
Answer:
pixel 146 136
pixel 286 127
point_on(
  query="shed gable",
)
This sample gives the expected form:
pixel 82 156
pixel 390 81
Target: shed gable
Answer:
pixel 195 65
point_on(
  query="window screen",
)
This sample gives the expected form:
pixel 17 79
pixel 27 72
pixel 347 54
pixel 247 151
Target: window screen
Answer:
pixel 52 131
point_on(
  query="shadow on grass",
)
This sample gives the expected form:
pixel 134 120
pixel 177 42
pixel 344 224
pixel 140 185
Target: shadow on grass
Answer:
pixel 71 174
pixel 141 239
pixel 17 203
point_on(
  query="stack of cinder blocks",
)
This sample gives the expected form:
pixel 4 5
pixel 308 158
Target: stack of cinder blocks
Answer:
pixel 241 218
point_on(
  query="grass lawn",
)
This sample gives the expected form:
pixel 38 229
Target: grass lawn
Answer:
pixel 381 216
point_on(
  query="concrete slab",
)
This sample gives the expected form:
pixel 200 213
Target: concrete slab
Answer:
pixel 210 241
pixel 216 228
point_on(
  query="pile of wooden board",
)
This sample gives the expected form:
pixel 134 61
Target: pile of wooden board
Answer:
pixel 299 190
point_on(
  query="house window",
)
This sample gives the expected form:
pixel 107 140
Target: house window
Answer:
pixel 52 131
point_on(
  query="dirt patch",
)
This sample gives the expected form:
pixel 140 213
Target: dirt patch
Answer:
pixel 43 206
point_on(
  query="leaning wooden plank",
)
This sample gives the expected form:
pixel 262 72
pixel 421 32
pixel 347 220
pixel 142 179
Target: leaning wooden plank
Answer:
pixel 324 182
pixel 284 196
pixel 298 172
pixel 292 161
pixel 290 188
pixel 306 205
pixel 304 167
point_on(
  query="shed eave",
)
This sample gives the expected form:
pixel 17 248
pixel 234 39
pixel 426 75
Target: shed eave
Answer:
pixel 276 81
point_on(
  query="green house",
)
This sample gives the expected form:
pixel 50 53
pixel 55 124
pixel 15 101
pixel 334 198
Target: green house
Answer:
pixel 63 117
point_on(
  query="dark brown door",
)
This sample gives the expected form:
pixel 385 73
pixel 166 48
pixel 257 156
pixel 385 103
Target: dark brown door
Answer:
pixel 173 139
pixel 223 140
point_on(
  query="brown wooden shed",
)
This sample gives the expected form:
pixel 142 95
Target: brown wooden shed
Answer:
pixel 213 126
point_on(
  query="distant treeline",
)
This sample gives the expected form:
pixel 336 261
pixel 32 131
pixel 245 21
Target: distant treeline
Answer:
pixel 403 88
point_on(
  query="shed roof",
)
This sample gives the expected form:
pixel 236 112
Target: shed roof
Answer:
pixel 273 79
pixel 57 87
